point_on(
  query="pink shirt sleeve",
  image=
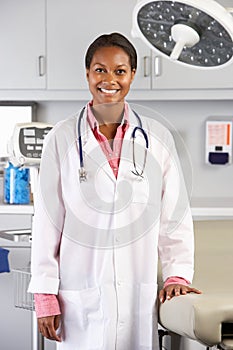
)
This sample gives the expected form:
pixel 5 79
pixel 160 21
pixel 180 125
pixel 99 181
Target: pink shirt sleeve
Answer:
pixel 46 305
pixel 176 280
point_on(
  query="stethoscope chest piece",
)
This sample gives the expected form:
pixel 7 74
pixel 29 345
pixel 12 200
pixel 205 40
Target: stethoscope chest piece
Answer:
pixel 82 175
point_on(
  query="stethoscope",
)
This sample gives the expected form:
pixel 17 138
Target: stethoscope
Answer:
pixel 82 171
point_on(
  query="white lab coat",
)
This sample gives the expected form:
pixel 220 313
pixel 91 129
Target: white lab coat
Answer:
pixel 96 243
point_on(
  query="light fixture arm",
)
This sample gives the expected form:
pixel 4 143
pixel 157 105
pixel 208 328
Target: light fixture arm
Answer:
pixel 183 35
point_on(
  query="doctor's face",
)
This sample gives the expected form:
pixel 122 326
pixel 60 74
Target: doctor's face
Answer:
pixel 110 75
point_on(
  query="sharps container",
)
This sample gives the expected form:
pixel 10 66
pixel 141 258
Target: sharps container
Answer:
pixel 16 184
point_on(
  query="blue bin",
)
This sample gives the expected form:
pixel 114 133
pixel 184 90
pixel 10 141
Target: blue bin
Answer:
pixel 4 264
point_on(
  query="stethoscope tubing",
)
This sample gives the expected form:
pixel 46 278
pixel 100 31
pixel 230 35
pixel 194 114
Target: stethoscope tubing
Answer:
pixel 80 138
pixel 82 172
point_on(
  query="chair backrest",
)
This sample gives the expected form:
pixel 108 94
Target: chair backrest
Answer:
pixel 213 256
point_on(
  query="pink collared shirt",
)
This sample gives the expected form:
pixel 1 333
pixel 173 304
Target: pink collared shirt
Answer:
pixel 47 304
pixel 112 153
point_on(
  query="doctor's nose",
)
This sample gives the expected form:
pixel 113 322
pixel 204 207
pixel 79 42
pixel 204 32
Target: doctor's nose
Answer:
pixel 109 78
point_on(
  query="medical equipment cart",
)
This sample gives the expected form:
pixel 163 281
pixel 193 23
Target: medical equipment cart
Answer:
pixel 25 300
pixel 21 276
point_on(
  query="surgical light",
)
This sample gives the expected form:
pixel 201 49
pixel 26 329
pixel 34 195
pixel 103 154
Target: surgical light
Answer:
pixel 192 32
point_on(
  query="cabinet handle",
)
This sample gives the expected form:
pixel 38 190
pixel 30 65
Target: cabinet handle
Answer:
pixel 146 61
pixel 157 66
pixel 41 62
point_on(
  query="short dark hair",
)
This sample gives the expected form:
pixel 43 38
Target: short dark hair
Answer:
pixel 108 40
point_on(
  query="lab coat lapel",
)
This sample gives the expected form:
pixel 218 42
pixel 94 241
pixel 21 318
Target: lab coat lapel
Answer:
pixel 92 150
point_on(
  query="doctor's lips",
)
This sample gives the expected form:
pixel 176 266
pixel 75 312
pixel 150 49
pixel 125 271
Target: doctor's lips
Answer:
pixel 108 91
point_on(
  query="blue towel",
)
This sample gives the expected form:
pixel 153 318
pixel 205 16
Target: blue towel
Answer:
pixel 4 264
pixel 16 185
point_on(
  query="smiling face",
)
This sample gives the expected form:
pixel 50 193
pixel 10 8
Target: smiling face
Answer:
pixel 110 75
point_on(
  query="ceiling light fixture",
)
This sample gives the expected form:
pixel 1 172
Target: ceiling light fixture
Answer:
pixel 192 32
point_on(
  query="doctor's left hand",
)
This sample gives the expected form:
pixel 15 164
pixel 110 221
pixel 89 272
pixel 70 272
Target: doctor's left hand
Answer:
pixel 48 327
pixel 173 290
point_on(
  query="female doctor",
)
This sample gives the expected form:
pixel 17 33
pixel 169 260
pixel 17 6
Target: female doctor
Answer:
pixel 111 200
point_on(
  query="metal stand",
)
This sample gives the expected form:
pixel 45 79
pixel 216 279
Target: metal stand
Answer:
pixel 37 337
pixel 162 333
pixel 25 300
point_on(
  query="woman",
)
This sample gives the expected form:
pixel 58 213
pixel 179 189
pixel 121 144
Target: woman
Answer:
pixel 100 222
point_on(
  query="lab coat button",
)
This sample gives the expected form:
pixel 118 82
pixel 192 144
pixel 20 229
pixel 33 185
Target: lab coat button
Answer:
pixel 117 239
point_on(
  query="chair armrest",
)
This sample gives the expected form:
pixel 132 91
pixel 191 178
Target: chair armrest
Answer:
pixel 198 317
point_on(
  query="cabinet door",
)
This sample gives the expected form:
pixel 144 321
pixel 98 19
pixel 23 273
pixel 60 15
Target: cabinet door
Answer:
pixel 72 28
pixel 22 38
pixel 169 75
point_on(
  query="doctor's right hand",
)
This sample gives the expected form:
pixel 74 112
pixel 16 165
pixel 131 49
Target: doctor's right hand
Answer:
pixel 48 327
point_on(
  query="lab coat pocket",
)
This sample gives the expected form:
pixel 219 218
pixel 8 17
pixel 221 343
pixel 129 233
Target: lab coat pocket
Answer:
pixel 83 318
pixel 147 314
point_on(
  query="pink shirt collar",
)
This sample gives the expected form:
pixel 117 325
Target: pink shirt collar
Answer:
pixel 93 122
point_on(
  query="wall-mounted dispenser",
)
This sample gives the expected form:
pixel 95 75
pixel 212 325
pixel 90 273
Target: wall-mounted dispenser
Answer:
pixel 218 142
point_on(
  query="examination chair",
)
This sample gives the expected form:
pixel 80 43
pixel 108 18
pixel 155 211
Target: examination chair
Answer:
pixel 206 318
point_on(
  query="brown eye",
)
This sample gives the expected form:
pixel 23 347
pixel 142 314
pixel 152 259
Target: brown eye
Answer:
pixel 99 70
pixel 121 72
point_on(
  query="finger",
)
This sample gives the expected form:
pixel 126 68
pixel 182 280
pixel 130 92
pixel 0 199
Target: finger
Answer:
pixel 184 291
pixel 53 335
pixel 194 290
pixel 47 328
pixel 41 326
pixel 169 292
pixel 162 296
pixel 43 330
pixel 57 321
pixel 173 291
pixel 177 291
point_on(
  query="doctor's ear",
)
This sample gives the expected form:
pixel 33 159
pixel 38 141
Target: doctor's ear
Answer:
pixel 133 72
pixel 87 74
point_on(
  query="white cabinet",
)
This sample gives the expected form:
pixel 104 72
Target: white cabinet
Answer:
pixel 22 38
pixel 70 30
pixel 43 45
pixel 169 75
